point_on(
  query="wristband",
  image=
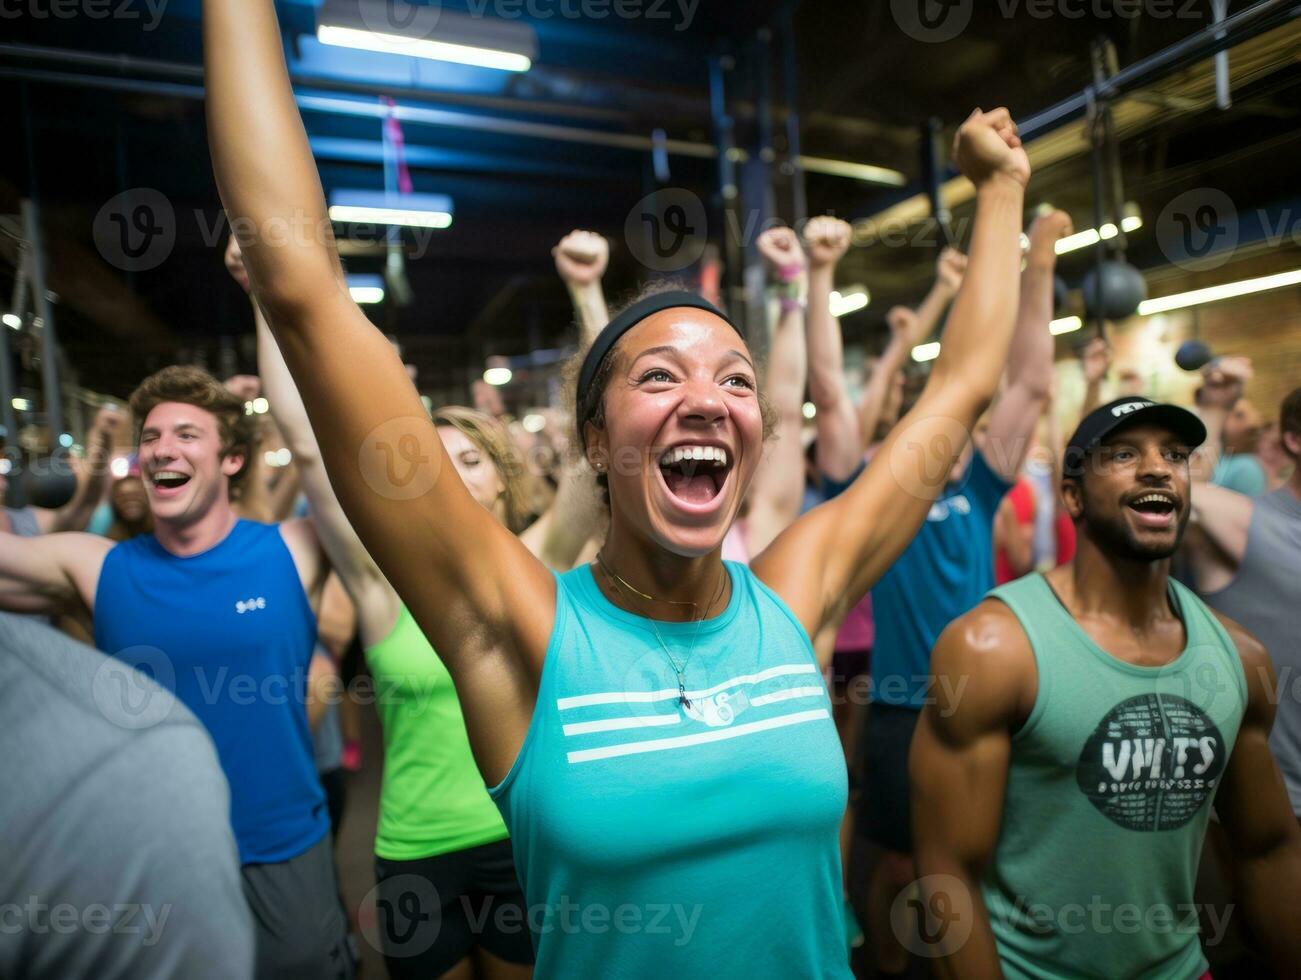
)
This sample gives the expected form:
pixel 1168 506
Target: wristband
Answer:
pixel 789 273
pixel 790 304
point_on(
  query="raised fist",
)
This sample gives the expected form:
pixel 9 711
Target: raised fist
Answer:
pixel 950 267
pixel 581 257
pixel 987 146
pixel 235 264
pixel 1223 381
pixel 245 387
pixel 109 419
pixel 1095 359
pixel 900 320
pixel 1046 230
pixel 826 239
pixel 780 248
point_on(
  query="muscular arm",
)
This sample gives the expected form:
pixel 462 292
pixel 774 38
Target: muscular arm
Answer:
pixel 840 443
pixel 1262 831
pixel 1030 359
pixel 984 685
pixel 484 602
pixel 1216 541
pixel 50 573
pixel 828 559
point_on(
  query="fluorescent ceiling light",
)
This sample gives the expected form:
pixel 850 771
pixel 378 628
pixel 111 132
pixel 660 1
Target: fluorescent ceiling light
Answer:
pixel 854 171
pixel 12 320
pixel 497 376
pixel 379 208
pixel 461 54
pixel 926 352
pixel 810 410
pixel 1211 294
pixel 855 298
pixel 426 30
pixel 1091 236
pixel 366 288
pixel 1067 324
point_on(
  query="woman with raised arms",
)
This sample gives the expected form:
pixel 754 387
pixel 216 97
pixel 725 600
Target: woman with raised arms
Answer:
pixel 653 726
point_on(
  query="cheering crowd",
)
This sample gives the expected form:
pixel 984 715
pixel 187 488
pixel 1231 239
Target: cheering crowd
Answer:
pixel 618 687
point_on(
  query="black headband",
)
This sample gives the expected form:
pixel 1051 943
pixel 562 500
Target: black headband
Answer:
pixel 632 316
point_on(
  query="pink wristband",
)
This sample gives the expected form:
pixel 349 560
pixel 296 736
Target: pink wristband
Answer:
pixel 789 273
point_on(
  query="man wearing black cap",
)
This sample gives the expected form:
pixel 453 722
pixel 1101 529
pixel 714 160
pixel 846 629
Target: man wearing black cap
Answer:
pixel 1084 723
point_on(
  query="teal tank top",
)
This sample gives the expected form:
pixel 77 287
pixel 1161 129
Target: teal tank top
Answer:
pixel 1109 788
pixel 657 840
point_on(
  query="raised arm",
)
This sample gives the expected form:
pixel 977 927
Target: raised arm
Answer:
pixel 950 268
pixel 376 602
pixel 1253 805
pixel 1030 359
pixel 840 444
pixel 1095 361
pixel 779 481
pixel 885 376
pixel 581 260
pixel 831 556
pixel 50 573
pixel 560 533
pixel 484 602
pixel 958 770
pixel 92 477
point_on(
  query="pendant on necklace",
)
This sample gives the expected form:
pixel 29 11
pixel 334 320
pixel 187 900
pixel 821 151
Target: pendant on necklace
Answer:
pixel 682 693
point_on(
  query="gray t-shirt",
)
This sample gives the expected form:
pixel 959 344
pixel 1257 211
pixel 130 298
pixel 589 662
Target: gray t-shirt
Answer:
pixel 1264 596
pixel 117 858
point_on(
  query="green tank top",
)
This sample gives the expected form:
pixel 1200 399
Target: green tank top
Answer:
pixel 1109 787
pixel 432 799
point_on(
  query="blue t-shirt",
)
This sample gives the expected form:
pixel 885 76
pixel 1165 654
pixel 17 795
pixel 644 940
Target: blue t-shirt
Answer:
pixel 944 572
pixel 654 839
pixel 1241 473
pixel 230 632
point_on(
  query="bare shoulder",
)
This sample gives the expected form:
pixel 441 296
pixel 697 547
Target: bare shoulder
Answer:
pixel 81 556
pixel 985 669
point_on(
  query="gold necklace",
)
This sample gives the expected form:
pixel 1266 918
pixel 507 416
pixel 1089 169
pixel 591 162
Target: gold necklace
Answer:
pixel 679 669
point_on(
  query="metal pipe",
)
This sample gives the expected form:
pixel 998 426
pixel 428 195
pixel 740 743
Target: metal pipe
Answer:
pixel 44 309
pixel 794 162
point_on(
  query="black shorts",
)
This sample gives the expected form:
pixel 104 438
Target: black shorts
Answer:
pixel 884 815
pixel 479 903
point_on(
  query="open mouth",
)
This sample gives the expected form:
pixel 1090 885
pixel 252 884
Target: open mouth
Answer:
pixel 169 480
pixel 1154 509
pixel 695 474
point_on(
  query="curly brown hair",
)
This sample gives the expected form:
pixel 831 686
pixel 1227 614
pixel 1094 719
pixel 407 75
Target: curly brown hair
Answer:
pixel 191 385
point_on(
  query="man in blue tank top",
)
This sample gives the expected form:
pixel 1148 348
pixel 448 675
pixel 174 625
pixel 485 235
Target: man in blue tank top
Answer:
pixel 1062 790
pixel 221 611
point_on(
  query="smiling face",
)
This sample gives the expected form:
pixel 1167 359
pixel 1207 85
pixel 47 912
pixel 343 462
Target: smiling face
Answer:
pixel 1132 500
pixel 683 430
pixel 182 463
pixel 130 499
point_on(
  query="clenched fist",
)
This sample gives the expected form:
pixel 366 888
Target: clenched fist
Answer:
pixel 826 239
pixel 1045 231
pixel 780 248
pixel 581 257
pixel 1096 360
pixel 245 387
pixel 950 267
pixel 987 146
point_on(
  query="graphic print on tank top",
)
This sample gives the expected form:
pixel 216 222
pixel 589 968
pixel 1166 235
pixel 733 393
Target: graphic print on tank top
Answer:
pixel 1152 762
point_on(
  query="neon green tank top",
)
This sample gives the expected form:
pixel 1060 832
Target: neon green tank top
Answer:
pixel 1109 788
pixel 432 799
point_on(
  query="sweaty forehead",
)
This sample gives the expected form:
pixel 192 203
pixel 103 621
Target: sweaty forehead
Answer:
pixel 684 329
